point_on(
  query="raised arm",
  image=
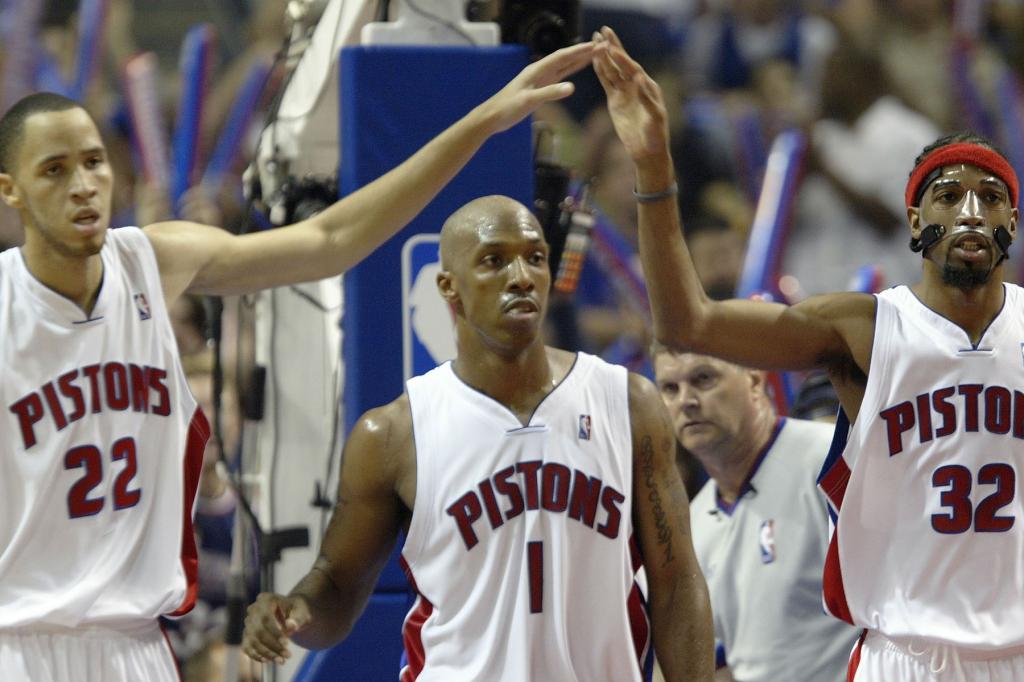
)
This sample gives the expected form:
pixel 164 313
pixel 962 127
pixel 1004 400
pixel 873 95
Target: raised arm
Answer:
pixel 322 608
pixel 823 330
pixel 208 260
pixel 684 638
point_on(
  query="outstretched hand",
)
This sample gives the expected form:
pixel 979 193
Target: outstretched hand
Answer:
pixel 269 624
pixel 634 100
pixel 540 82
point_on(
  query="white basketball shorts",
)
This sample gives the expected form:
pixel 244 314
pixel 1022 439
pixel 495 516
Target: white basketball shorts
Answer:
pixel 881 659
pixel 87 654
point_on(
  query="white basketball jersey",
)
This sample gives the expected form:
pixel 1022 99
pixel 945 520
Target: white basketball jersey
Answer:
pixel 929 539
pixel 520 545
pixel 101 449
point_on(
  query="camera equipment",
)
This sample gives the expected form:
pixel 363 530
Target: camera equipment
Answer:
pixel 542 25
pixel 305 197
pixel 564 216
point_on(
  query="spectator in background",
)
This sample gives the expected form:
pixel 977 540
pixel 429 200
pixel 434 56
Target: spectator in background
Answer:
pixel 760 528
pixel 929 49
pixel 718 252
pixel 850 209
pixel 728 44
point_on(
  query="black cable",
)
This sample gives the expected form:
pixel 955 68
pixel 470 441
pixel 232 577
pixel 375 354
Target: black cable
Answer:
pixel 324 500
pixel 236 602
pixel 309 298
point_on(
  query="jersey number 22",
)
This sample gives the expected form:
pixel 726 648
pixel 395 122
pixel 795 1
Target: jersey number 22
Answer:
pixel 90 458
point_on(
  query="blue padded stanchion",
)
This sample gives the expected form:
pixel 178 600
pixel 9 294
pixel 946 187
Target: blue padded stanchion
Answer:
pixel 372 652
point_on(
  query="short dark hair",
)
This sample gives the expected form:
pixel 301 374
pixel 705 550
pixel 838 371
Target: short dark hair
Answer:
pixel 13 122
pixel 963 136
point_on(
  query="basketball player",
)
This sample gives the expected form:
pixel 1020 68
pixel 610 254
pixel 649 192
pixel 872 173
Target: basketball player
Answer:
pixel 101 441
pixel 929 510
pixel 759 525
pixel 531 484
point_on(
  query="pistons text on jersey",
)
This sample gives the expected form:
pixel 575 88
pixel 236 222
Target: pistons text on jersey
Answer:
pixel 90 390
pixel 549 486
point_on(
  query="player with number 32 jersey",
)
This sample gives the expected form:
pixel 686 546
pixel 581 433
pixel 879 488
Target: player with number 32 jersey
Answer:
pixel 930 481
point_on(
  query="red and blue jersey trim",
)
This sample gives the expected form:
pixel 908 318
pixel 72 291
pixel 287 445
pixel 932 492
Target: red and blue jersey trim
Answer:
pixel 412 630
pixel 639 614
pixel 195 446
pixel 833 480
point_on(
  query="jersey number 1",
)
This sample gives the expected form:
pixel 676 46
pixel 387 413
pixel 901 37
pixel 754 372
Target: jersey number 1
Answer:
pixel 535 564
pixel 89 458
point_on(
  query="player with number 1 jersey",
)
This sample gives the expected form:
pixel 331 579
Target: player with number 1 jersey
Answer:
pixel 536 519
pixel 100 459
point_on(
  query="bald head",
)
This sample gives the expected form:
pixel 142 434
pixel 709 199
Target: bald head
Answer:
pixel 469 224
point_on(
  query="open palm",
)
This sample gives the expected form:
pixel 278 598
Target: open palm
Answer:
pixel 540 82
pixel 634 99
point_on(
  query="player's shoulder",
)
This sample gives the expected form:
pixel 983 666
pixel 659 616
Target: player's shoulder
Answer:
pixel 386 420
pixel 128 245
pixel 838 305
pixel 641 388
pixel 1014 295
pixel 125 237
pixel 382 437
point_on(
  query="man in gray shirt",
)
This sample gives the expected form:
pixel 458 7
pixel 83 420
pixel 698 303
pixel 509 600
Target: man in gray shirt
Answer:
pixel 759 527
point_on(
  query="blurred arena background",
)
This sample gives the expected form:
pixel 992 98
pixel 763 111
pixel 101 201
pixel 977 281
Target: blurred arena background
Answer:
pixel 795 124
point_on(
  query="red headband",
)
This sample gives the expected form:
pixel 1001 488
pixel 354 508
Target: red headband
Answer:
pixel 963 152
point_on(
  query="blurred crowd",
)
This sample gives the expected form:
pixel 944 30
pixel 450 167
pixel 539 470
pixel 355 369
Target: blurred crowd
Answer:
pixel 861 85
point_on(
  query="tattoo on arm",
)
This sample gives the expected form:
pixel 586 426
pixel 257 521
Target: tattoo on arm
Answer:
pixel 661 524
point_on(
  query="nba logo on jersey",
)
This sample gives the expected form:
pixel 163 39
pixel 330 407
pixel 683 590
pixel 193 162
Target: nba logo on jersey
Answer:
pixel 143 306
pixel 584 427
pixel 767 539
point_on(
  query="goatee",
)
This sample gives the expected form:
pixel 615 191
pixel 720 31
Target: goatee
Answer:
pixel 963 278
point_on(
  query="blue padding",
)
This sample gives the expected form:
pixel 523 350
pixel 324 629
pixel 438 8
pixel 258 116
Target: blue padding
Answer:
pixel 372 652
pixel 392 578
pixel 393 101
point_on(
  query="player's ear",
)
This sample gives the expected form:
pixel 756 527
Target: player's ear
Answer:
pixel 1012 225
pixel 446 286
pixel 758 380
pixel 8 192
pixel 914 218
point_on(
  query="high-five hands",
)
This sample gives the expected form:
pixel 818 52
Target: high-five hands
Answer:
pixel 634 100
pixel 540 82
